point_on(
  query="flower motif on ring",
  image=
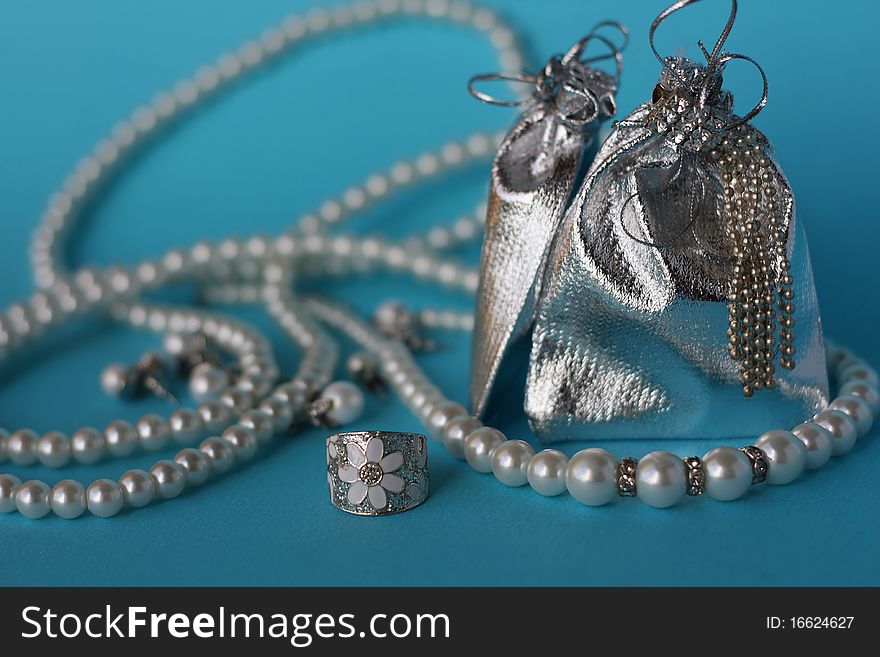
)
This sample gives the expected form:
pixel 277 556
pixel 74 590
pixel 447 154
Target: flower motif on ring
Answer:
pixel 334 452
pixel 418 490
pixel 369 471
pixel 331 449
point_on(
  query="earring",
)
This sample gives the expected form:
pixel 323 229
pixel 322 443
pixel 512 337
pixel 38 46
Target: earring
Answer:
pixel 147 375
pixel 190 350
pixel 199 361
pixel 398 322
pixel 364 368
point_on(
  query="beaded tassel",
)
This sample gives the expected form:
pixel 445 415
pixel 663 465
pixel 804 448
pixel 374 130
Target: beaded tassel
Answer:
pixel 760 300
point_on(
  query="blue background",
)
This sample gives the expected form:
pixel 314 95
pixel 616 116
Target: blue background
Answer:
pixel 325 117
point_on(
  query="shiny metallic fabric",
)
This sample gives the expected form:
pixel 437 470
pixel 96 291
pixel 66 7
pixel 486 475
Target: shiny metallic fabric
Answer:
pixel 524 213
pixel 533 177
pixel 630 336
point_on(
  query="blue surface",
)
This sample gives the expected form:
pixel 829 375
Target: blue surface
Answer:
pixel 324 118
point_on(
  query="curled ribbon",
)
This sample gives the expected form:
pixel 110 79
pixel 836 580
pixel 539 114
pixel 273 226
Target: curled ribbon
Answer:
pixel 562 73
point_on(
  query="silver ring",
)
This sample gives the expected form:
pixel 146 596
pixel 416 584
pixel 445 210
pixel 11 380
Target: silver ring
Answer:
pixel 377 473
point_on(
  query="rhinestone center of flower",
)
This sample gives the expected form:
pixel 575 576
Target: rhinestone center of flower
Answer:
pixel 370 473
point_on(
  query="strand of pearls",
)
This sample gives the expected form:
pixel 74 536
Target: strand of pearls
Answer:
pixel 656 478
pixel 152 432
pixel 69 499
pixel 59 217
pixel 166 479
pixel 65 296
pixel 251 410
pixel 88 290
pixel 463 231
pixel 594 476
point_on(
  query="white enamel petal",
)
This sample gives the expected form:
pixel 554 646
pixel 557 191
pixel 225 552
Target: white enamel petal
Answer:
pixel 391 462
pixel 332 451
pixel 393 483
pixel 357 492
pixel 377 497
pixel 349 474
pixel 375 450
pixel 355 455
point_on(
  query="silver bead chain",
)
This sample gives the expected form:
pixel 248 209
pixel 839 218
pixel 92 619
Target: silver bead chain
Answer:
pixel 253 407
pixel 761 302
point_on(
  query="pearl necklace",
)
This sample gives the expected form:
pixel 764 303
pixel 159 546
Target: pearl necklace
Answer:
pixel 244 415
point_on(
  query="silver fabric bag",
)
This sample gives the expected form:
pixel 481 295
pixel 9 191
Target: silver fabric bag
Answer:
pixel 533 178
pixel 677 300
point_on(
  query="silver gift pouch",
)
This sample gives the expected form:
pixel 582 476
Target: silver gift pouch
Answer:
pixel 533 179
pixel 677 300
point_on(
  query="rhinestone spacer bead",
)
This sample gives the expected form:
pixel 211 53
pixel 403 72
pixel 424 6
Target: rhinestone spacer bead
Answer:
pixel 696 476
pixel 758 460
pixel 626 476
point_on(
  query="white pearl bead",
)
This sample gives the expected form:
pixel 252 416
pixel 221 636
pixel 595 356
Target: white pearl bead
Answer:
pixel 348 402
pixel 206 381
pixel 186 425
pixel 180 344
pixel 215 416
pixel 53 449
pixel 237 401
pixel 219 453
pixel 279 412
pixel 195 465
pixel 863 390
pixel 294 394
pixel 242 440
pixel 661 479
pixel 817 439
pixel 260 424
pixel 32 499
pixel 786 456
pixel 87 445
pixel 391 315
pixel 21 447
pixel 4 435
pixel 859 372
pixel 728 473
pixel 439 415
pixel 546 472
pixel 842 429
pixel 169 477
pixel 456 430
pixel 590 478
pixel 479 445
pixel 138 488
pixel 423 400
pixel 153 432
pixel 121 438
pixel 857 409
pixel 68 499
pixel 255 385
pixel 8 485
pixel 116 379
pixel 104 498
pixel 510 462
